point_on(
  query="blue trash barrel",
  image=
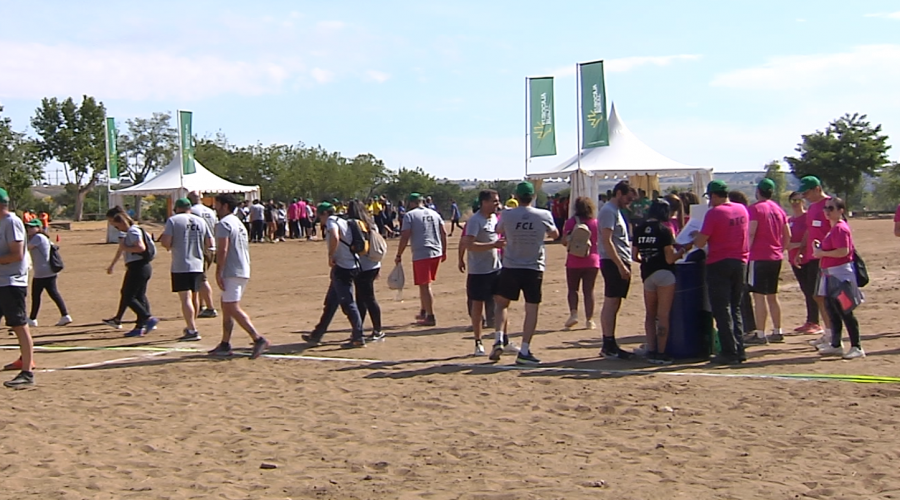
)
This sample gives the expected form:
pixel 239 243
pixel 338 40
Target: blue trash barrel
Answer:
pixel 690 320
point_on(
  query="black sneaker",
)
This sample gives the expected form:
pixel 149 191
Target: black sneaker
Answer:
pixel 23 379
pixel 612 350
pixel 190 336
pixel 659 359
pixel 527 359
pixel 496 352
pixel 208 313
pixel 113 322
pixel 725 360
pixel 222 350
pixel 312 338
pixel 259 347
pixel 376 336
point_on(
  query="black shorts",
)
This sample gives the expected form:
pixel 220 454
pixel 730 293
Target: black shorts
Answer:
pixel 526 281
pixel 187 282
pixel 614 286
pixel 762 276
pixel 482 287
pixel 12 305
pixel 305 223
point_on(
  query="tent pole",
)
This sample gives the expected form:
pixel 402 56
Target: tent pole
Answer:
pixel 180 152
pixel 527 149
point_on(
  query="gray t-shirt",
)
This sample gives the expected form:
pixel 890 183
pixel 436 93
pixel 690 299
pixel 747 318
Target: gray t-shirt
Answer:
pixel 11 230
pixel 133 236
pixel 257 212
pixel 525 229
pixel 237 262
pixel 207 214
pixel 484 229
pixel 39 247
pixel 425 227
pixel 343 257
pixel 611 218
pixel 189 234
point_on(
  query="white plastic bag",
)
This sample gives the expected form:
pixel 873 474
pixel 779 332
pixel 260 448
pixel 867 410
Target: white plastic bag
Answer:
pixel 397 280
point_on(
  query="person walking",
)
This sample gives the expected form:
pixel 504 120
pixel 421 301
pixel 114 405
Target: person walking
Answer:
pixel 654 244
pixel 797 223
pixel 44 277
pixel 582 260
pixel 615 265
pixel 838 277
pixel 725 229
pixel 257 222
pixel 188 237
pixel 481 241
pixel 455 216
pixel 232 276
pixel 423 230
pixel 369 269
pixel 13 289
pixel 138 250
pixel 817 227
pixel 207 306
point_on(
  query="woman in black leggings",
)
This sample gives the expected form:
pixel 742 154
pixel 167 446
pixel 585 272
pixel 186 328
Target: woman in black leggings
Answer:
pixel 44 277
pixel 368 273
pixel 138 272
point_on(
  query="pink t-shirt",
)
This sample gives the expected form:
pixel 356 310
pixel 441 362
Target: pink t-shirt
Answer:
pixel 838 237
pixel 817 227
pixel 672 224
pixel 727 228
pixel 798 229
pixel 897 214
pixel 593 258
pixel 770 220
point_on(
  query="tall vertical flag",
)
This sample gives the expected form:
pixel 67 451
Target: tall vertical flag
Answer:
pixel 112 153
pixel 186 142
pixel 594 123
pixel 540 122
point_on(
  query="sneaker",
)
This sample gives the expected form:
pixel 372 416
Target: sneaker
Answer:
pixel 824 339
pixel 830 350
pixel 776 338
pixel 63 321
pixel 611 350
pixel 137 332
pixel 854 353
pixel 190 336
pixel 427 321
pixel 572 321
pixel 32 323
pixel 641 351
pixel 151 324
pixel 720 359
pixel 802 328
pixel 208 313
pixel 113 322
pixel 753 338
pixel 23 379
pixel 221 350
pixel 509 346
pixel 353 344
pixel 496 352
pixel 376 336
pixel 312 338
pixel 591 325
pixel 479 348
pixel 527 359
pixel 259 347
pixel 659 359
pixel 16 365
pixel 421 315
pixel 814 329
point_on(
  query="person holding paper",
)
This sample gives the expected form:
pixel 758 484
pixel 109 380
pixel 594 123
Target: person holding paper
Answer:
pixel 817 227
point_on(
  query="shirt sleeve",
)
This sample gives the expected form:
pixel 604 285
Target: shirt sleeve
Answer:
pixel 548 220
pixel 18 231
pixel 170 228
pixel 407 222
pixel 709 223
pixel 471 229
pixel 608 219
pixel 753 212
pixel 569 225
pixel 223 230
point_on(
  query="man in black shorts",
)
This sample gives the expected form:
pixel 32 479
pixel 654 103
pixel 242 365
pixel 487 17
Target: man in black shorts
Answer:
pixel 615 265
pixel 13 288
pixel 188 237
pixel 481 242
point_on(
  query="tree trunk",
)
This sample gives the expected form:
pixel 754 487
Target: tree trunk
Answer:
pixel 80 195
pixel 138 202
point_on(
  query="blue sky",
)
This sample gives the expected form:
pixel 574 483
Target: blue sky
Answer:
pixel 728 84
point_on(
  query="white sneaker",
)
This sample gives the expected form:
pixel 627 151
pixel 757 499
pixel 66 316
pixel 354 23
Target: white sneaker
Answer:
pixel 32 323
pixel 854 353
pixel 479 349
pixel 65 320
pixel 831 351
pixel 821 340
pixel 591 325
pixel 572 321
pixel 641 351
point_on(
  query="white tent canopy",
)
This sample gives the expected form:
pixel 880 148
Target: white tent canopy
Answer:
pixel 171 183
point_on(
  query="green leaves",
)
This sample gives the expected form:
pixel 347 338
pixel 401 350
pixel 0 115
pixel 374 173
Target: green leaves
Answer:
pixel 20 162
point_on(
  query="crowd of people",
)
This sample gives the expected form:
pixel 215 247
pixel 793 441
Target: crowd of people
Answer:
pixel 502 251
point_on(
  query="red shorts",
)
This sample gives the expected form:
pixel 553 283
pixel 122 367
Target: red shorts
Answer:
pixel 425 270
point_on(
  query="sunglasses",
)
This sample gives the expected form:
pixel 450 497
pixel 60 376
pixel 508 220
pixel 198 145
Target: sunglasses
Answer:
pixel 829 208
pixel 796 201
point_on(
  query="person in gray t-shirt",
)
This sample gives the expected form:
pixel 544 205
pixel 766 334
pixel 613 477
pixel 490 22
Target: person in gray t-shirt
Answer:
pixel 423 230
pixel 209 256
pixel 13 288
pixel 43 277
pixel 188 237
pixel 483 244
pixel 615 264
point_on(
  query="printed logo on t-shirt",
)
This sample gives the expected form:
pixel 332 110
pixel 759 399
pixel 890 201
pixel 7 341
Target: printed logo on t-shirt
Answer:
pixel 737 221
pixel 817 223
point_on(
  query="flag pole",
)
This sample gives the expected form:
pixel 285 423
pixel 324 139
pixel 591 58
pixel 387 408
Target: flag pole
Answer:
pixel 578 113
pixel 108 195
pixel 180 152
pixel 527 148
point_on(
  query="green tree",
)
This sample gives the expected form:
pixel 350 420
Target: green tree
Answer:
pixel 848 148
pixel 74 136
pixel 774 172
pixel 887 189
pixel 20 163
pixel 149 145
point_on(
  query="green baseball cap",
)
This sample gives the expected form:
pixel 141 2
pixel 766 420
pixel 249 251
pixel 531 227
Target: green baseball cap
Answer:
pixel 34 223
pixel 414 197
pixel 182 203
pixel 766 185
pixel 4 196
pixel 809 182
pixel 324 207
pixel 717 187
pixel 525 189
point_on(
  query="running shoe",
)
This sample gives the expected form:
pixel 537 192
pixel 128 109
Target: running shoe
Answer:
pixel 376 336
pixel 32 323
pixel 421 315
pixel 527 359
pixel 208 313
pixel 802 328
pixel 354 344
pixel 612 350
pixel 753 338
pixel 259 347
pixel 479 348
pixel 855 353
pixel 63 321
pixel 221 350
pixel 16 365
pixel 830 350
pixel 660 359
pixel 776 338
pixel 137 332
pixel 150 325
pixel 572 321
pixel 113 322
pixel 814 329
pixel 496 352
pixel 190 336
pixel 823 339
pixel 22 380
pixel 312 338
pixel 428 321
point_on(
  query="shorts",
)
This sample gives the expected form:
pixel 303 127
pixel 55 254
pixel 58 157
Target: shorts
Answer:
pixel 526 281
pixel 660 278
pixel 482 287
pixel 762 276
pixel 187 282
pixel 305 223
pixel 234 289
pixel 12 305
pixel 425 270
pixel 614 286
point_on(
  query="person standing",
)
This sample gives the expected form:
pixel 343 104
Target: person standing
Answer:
pixel 293 220
pixel 188 237
pixel 232 276
pixel 615 265
pixel 209 216
pixel 455 216
pixel 257 222
pixel 271 224
pixel 44 278
pixel 135 245
pixel 524 261
pixel 817 227
pixel 13 289
pixel 797 223
pixel 726 230
pixel 582 270
pixel 424 231
pixel 769 235
pixel 481 241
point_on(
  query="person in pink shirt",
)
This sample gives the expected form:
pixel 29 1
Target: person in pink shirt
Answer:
pixel 797 223
pixel 293 220
pixel 817 227
pixel 726 230
pixel 897 222
pixel 581 272
pixel 769 235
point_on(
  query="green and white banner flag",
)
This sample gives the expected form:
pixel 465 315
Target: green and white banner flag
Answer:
pixel 594 124
pixel 186 138
pixel 541 126
pixel 112 153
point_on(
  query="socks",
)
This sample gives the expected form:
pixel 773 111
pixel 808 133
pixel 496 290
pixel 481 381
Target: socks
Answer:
pixel 778 331
pixel 525 348
pixel 498 337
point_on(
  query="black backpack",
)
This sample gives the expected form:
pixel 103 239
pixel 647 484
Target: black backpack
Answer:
pixel 150 253
pixel 359 237
pixel 55 261
pixel 859 265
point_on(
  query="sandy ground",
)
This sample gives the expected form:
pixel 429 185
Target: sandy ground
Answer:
pixel 416 417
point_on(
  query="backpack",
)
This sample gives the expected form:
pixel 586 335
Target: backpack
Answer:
pixel 150 253
pixel 359 242
pixel 377 246
pixel 55 261
pixel 579 239
pixel 859 265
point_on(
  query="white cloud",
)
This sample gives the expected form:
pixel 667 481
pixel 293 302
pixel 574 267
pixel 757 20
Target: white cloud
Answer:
pixel 34 70
pixel 329 26
pixel 377 76
pixel 322 75
pixel 624 64
pixel 886 15
pixel 864 65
